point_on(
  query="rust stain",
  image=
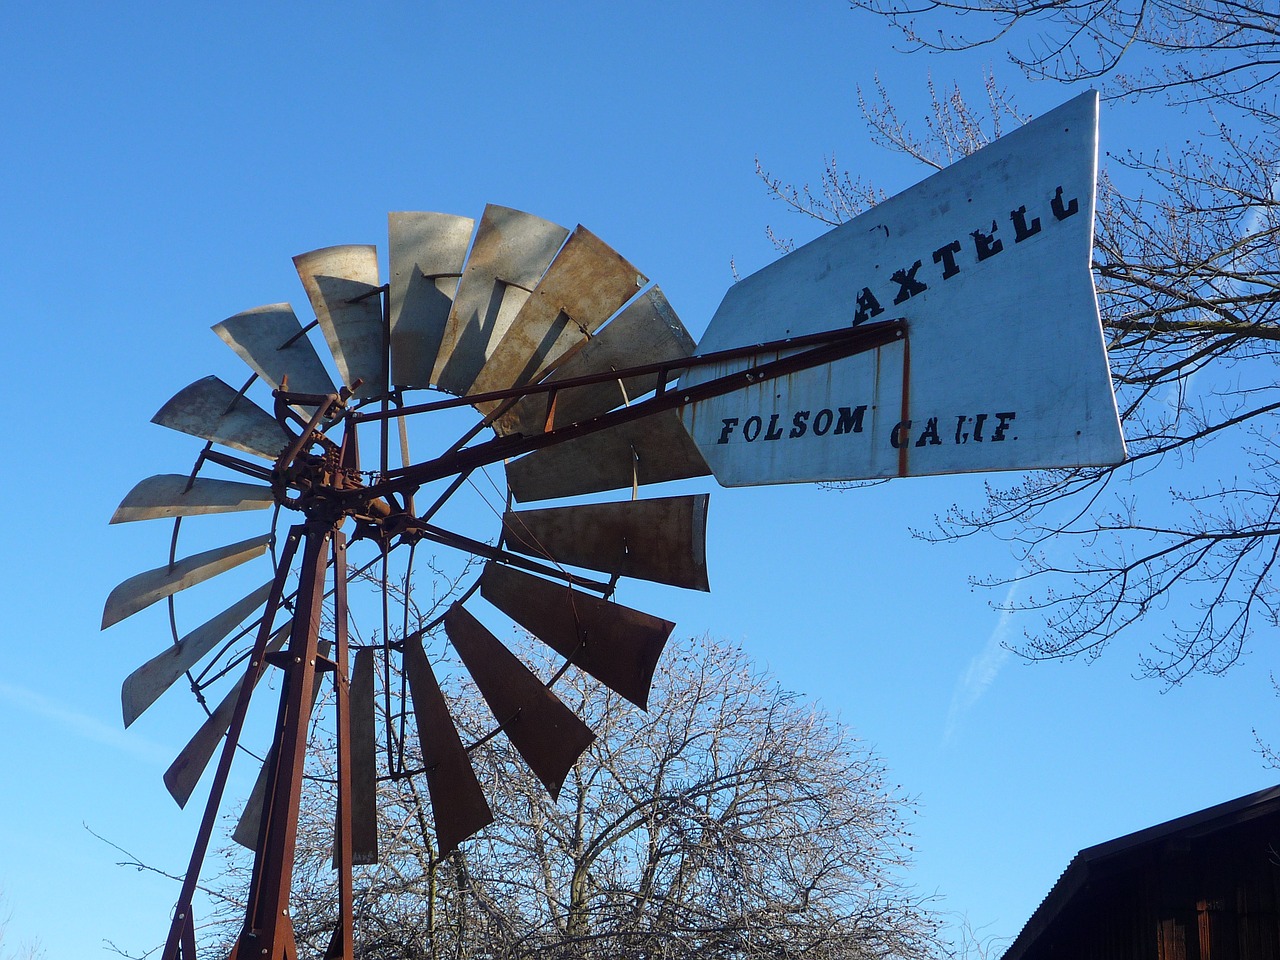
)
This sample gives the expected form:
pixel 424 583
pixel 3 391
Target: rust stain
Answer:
pixel 906 398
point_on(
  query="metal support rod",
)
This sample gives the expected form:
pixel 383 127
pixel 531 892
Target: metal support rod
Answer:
pixel 831 346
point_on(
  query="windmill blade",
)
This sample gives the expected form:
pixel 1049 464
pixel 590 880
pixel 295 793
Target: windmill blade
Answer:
pixel 618 646
pixel 647 331
pixel 512 250
pixel 342 285
pixel 663 540
pixel 364 761
pixel 212 410
pixel 144 589
pixel 178 495
pixel 271 341
pixel 586 284
pixel 652 450
pixel 457 802
pixel 547 734
pixel 427 252
pixel 185 771
pixel 249 825
pixel 144 686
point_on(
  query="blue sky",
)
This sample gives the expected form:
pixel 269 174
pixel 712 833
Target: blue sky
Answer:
pixel 162 163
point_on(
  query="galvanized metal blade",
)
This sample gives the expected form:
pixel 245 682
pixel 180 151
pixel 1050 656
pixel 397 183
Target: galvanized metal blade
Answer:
pixel 364 761
pixel 342 285
pixel 585 285
pixel 248 828
pixel 144 686
pixel 457 802
pixel 647 331
pixel 212 410
pixel 618 646
pixel 177 495
pixel 511 252
pixel 664 540
pixel 547 734
pixel 271 341
pixel 185 771
pixel 653 450
pixel 144 589
pixel 427 252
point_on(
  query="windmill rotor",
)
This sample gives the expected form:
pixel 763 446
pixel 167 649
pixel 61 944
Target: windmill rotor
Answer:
pixel 525 323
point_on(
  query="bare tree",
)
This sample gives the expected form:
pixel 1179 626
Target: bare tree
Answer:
pixel 732 820
pixel 26 950
pixel 1187 263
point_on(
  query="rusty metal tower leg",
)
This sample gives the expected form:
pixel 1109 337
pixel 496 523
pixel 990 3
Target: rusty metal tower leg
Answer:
pixel 181 943
pixel 342 945
pixel 268 930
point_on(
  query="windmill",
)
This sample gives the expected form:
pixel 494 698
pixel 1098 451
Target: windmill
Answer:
pixel 848 358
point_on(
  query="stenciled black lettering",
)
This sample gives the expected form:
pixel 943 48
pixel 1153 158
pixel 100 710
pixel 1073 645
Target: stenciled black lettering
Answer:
pixel 986 243
pixel 961 436
pixel 751 429
pixel 947 257
pixel 900 436
pixel 908 285
pixel 1020 229
pixel 822 422
pixel 930 433
pixel 773 433
pixel 1059 211
pixel 978 421
pixel 850 419
pixel 1002 426
pixel 729 424
pixel 868 306
pixel 799 424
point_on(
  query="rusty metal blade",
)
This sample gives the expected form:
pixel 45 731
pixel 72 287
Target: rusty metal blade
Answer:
pixel 342 285
pixel 511 252
pixel 185 771
pixel 664 539
pixel 167 495
pixel 647 331
pixel 144 589
pixel 248 827
pixel 618 646
pixel 259 337
pixel 427 251
pixel 457 802
pixel 144 686
pixel 546 733
pixel 364 761
pixel 586 284
pixel 212 410
pixel 652 450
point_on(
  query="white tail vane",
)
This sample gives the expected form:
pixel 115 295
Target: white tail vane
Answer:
pixel 1003 366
